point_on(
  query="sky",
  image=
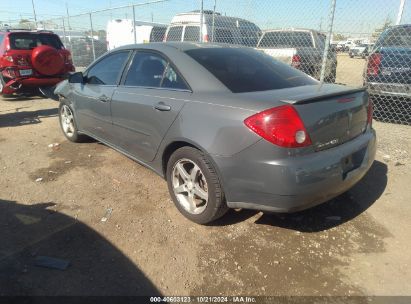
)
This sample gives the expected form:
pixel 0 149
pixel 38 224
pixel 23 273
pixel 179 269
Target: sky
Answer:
pixel 352 17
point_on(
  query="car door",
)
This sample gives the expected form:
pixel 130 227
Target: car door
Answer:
pixel 93 97
pixel 147 102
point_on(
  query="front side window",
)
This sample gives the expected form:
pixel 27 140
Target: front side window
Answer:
pixel 247 70
pixel 192 33
pixel 152 70
pixel 175 33
pixel 107 71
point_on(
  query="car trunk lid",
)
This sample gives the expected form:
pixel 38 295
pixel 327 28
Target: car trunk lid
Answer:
pixel 333 118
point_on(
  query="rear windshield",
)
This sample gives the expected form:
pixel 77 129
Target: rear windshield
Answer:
pixel 286 39
pixel 192 33
pixel 27 41
pixel 247 70
pixel 400 36
pixel 157 34
pixel 174 33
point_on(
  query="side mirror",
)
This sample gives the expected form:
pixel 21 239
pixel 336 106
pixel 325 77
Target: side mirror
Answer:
pixel 77 77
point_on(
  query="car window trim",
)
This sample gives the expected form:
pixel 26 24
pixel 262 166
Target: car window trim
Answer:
pixel 118 80
pixel 169 63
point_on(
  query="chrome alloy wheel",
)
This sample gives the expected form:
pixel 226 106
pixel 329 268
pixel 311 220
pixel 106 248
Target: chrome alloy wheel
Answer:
pixel 67 120
pixel 190 186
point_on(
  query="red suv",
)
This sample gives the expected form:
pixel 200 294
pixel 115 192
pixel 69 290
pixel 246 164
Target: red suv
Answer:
pixel 31 60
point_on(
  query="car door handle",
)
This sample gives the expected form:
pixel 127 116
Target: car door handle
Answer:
pixel 104 98
pixel 161 106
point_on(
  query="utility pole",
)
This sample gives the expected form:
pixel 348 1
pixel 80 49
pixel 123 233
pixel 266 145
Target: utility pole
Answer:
pixel 34 13
pixel 401 10
pixel 68 17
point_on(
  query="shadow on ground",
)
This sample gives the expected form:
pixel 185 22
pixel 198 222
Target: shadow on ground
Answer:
pixel 325 216
pixel 96 266
pixel 25 117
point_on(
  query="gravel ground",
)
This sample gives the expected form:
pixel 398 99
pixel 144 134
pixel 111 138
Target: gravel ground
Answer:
pixel 114 221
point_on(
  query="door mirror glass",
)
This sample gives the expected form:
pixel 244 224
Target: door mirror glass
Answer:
pixel 76 78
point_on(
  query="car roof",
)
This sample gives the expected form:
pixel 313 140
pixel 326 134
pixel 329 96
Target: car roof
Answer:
pixel 182 46
pixel 291 30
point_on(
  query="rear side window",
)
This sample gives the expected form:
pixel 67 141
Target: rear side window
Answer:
pixel 192 33
pixel 247 70
pixel 286 39
pixel 1 38
pixel 27 41
pixel 157 34
pixel 175 33
pixel 223 36
pixel 146 70
pixel 152 70
pixel 396 37
pixel 107 71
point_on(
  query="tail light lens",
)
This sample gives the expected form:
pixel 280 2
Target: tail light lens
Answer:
pixel 296 61
pixel 373 66
pixel 281 126
pixel 206 38
pixel 69 59
pixel 370 110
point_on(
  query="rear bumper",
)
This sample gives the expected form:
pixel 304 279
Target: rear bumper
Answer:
pixel 389 89
pixel 16 84
pixel 296 182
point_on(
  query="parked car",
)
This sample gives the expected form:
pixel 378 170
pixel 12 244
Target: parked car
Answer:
pixel 360 50
pixel 215 28
pixel 120 32
pixel 227 126
pixel 82 50
pixel 300 48
pixel 388 72
pixel 31 60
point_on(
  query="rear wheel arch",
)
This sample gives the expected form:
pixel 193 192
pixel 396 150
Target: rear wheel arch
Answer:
pixel 170 149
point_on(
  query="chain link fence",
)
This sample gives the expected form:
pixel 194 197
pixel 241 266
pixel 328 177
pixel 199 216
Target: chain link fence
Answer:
pixel 348 42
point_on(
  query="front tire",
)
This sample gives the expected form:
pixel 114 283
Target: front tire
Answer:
pixel 194 186
pixel 68 124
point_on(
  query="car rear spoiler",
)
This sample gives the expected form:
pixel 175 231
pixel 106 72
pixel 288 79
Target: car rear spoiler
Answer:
pixel 320 96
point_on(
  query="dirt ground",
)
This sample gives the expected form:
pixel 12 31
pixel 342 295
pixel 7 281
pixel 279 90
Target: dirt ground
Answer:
pixel 53 200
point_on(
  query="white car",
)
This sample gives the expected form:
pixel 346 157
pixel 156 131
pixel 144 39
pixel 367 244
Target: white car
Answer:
pixel 215 28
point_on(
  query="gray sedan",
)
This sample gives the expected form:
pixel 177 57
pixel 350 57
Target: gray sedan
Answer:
pixel 227 127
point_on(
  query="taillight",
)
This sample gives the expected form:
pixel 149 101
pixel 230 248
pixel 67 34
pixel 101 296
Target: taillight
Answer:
pixel 296 61
pixel 281 126
pixel 373 66
pixel 206 38
pixel 69 59
pixel 370 110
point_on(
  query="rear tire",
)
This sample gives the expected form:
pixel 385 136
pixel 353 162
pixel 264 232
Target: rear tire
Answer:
pixel 194 186
pixel 68 124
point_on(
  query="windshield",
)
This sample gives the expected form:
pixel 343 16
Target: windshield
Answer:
pixel 286 39
pixel 400 37
pixel 28 41
pixel 247 70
